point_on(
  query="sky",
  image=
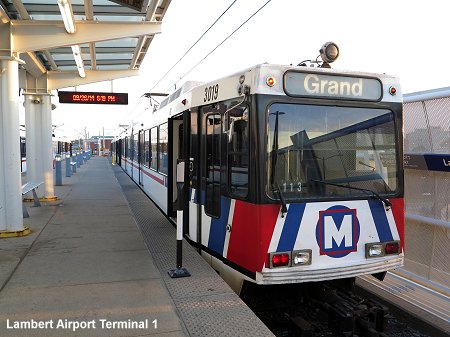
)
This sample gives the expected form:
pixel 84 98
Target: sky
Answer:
pixel 406 39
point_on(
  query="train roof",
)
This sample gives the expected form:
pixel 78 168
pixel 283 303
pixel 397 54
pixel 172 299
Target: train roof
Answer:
pixel 192 94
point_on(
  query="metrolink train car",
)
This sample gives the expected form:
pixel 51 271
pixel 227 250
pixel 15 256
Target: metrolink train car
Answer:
pixel 293 174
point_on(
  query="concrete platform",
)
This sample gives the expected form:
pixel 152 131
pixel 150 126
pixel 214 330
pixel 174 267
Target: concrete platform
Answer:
pixel 98 259
pixel 418 300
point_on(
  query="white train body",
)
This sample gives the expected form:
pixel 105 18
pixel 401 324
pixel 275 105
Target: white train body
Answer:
pixel 295 174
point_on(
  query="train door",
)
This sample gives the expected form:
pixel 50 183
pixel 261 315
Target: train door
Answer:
pixel 210 120
pixel 120 152
pixel 127 152
pixel 175 148
pixel 118 147
pixel 140 156
pixel 211 159
pixel 132 153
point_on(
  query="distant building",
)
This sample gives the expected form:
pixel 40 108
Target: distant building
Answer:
pixel 98 145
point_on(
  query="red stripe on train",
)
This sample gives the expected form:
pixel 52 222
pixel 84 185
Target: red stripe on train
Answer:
pixel 398 210
pixel 251 234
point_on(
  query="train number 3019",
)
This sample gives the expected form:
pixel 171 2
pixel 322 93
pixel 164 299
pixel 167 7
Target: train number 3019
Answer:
pixel 211 93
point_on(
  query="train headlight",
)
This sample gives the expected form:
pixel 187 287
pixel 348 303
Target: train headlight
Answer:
pixel 329 52
pixel 301 257
pixel 374 250
pixel 382 248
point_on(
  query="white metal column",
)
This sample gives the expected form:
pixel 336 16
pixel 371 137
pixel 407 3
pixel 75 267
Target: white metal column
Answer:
pixel 38 123
pixel 47 152
pixel 33 141
pixel 11 218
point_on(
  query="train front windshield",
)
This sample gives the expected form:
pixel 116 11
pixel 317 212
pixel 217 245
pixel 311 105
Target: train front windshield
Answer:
pixel 324 152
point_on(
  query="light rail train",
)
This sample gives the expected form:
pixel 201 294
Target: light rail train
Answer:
pixel 293 173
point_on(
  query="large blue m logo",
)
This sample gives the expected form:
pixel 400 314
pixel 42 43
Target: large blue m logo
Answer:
pixel 337 231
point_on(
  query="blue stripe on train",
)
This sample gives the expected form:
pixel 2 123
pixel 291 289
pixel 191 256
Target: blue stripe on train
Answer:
pixel 218 227
pixel 291 227
pixel 381 221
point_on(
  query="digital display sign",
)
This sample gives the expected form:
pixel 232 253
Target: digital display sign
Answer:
pixel 93 97
pixel 303 84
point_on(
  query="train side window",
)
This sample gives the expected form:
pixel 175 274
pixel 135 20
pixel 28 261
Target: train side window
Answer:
pixel 238 151
pixel 154 148
pixel 146 147
pixel 163 155
pixel 213 126
pixel 132 147
pixel 135 147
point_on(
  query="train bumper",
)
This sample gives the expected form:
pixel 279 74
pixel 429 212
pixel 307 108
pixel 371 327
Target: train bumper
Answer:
pixel 307 274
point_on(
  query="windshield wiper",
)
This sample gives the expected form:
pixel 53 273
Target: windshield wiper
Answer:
pixel 386 202
pixel 283 201
pixel 273 164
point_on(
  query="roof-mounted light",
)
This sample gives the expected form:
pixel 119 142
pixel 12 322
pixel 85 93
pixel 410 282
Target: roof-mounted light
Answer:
pixel 78 60
pixel 65 7
pixel 329 52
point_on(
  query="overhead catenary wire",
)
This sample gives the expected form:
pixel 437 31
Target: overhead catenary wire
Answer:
pixel 131 115
pixel 223 41
pixel 195 43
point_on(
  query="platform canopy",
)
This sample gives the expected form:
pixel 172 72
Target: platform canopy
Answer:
pixel 111 37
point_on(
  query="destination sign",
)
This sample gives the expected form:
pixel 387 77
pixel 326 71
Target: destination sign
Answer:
pixel 332 86
pixel 93 97
pixel 427 161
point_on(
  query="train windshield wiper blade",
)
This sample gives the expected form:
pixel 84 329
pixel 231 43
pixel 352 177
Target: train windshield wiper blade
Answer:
pixel 276 188
pixel 386 202
pixel 273 165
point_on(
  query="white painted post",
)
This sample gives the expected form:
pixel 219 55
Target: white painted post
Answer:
pixel 11 217
pixel 33 141
pixel 47 152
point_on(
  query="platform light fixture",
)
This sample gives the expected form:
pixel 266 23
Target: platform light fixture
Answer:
pixel 78 60
pixel 65 7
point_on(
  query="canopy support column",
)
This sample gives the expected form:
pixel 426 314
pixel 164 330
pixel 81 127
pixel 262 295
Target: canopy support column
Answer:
pixel 11 217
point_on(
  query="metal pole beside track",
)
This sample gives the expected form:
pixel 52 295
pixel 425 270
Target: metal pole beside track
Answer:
pixel 182 179
pixel 179 271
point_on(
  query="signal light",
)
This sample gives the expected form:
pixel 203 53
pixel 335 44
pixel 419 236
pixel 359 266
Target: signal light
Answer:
pixel 270 81
pixel 392 248
pixel 280 260
pixel 393 91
